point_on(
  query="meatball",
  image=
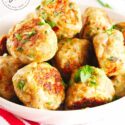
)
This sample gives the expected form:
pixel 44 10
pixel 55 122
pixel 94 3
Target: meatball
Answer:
pixel 119 85
pixel 8 67
pixel 121 27
pixel 63 16
pixel 39 85
pixel 71 55
pixel 95 20
pixel 32 40
pixel 89 87
pixel 3 48
pixel 110 52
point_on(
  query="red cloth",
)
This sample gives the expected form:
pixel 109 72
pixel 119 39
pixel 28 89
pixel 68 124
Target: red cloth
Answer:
pixel 13 120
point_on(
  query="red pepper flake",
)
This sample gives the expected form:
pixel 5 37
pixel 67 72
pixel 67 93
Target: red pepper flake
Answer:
pixel 55 28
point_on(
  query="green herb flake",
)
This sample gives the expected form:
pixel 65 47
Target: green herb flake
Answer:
pixel 104 4
pixel 31 56
pixel 44 15
pixel 93 83
pixel 77 76
pixel 38 7
pixel 46 2
pixel 49 103
pixel 83 73
pixel 51 23
pixel 20 49
pixel 21 84
pixel 86 73
pixel 71 5
pixel 24 41
pixel 41 23
pixel 32 33
pixel 18 36
pixel 84 76
pixel 46 32
pixel 109 31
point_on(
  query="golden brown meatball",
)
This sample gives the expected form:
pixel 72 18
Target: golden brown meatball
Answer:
pixel 110 52
pixel 89 87
pixel 119 85
pixel 39 85
pixel 95 20
pixel 8 67
pixel 63 16
pixel 71 55
pixel 32 40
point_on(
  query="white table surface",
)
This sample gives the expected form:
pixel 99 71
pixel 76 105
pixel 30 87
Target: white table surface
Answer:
pixel 118 5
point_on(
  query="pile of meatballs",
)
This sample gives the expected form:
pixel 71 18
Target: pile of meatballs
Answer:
pixel 57 58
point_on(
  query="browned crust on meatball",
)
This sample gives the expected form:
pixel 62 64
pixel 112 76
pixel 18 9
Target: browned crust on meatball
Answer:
pixel 52 73
pixel 86 102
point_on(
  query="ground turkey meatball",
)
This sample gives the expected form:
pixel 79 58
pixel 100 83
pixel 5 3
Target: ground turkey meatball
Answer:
pixel 110 52
pixel 119 85
pixel 8 67
pixel 89 87
pixel 71 55
pixel 39 85
pixel 62 15
pixel 95 20
pixel 32 40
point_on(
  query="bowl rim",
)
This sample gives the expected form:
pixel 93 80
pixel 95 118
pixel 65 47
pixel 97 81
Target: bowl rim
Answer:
pixel 30 109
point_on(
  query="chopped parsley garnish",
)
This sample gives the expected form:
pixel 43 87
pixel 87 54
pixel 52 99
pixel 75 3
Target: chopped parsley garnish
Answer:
pixel 18 36
pixel 46 31
pixel 46 2
pixel 44 15
pixel 83 73
pixel 109 31
pixel 21 84
pixel 20 49
pixel 24 41
pixel 49 103
pixel 41 23
pixel 30 34
pixel 104 4
pixel 93 83
pixel 38 7
pixel 51 23
pixel 31 56
pixel 71 5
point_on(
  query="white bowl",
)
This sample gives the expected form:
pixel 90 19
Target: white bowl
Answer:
pixel 75 117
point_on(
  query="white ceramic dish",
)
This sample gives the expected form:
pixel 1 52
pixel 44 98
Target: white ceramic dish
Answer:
pixel 76 117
